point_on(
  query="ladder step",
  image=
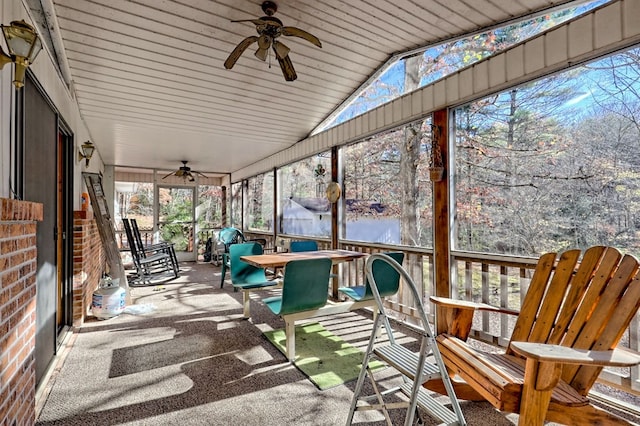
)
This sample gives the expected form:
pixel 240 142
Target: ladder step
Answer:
pixel 405 361
pixel 429 404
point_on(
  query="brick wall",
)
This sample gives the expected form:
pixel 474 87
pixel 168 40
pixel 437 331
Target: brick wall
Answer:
pixel 88 263
pixel 18 266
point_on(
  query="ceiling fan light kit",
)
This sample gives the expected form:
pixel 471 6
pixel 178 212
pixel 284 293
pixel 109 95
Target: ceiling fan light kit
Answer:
pixel 185 173
pixel 269 29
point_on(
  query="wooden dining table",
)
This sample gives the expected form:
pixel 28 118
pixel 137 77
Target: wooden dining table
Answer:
pixel 279 260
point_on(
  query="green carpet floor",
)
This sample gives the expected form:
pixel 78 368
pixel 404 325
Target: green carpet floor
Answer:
pixel 325 358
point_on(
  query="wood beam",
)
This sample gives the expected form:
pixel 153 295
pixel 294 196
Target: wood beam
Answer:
pixel 441 228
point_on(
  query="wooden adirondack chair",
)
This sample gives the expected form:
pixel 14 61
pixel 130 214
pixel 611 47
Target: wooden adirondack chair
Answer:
pixel 573 316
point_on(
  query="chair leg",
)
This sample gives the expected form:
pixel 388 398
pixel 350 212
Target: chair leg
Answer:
pixel 174 260
pixel 223 272
pixel 539 380
pixel 290 334
pixel 246 304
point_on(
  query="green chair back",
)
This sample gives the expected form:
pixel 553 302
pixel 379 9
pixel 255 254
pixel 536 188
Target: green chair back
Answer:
pixel 297 246
pixel 242 272
pixel 387 280
pixel 305 285
pixel 229 236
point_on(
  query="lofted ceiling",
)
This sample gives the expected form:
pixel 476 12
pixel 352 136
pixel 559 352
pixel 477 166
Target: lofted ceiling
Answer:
pixel 152 89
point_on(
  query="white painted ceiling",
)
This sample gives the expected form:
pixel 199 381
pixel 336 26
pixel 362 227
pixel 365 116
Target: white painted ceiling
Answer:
pixel 152 88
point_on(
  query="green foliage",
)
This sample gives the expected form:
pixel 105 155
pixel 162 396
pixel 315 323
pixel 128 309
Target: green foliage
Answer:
pixel 176 215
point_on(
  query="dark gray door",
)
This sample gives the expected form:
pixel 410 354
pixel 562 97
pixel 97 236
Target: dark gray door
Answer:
pixel 40 185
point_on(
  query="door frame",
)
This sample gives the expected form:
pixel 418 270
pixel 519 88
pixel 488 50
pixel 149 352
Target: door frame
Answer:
pixel 66 160
pixel 61 242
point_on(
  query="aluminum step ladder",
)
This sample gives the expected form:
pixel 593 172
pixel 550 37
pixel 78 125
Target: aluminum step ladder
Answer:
pixel 415 368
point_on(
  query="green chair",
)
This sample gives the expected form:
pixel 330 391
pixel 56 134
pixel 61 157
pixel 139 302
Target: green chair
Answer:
pixel 247 277
pixel 297 246
pixel 227 237
pixel 386 277
pixel 309 245
pixel 304 287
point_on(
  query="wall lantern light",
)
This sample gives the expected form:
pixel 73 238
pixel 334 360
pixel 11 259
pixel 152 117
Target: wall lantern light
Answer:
pixel 23 44
pixel 86 151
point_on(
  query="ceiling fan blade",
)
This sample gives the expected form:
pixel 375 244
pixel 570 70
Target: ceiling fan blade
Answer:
pixel 238 51
pixel 255 21
pixel 168 175
pixel 287 68
pixel 297 32
pixel 280 49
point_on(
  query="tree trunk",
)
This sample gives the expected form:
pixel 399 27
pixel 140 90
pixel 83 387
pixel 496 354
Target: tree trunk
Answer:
pixel 409 157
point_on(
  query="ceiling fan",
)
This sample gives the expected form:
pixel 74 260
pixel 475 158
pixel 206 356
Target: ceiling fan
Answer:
pixel 269 29
pixel 185 173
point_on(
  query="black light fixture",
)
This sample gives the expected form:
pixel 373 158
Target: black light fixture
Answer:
pixel 23 44
pixel 86 151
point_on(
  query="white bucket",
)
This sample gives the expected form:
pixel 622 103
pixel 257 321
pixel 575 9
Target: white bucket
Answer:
pixel 109 300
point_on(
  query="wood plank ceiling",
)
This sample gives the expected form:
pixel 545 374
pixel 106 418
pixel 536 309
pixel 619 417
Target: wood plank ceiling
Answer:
pixel 152 89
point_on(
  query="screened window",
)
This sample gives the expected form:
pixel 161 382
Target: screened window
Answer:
pixel 552 164
pixel 133 200
pixel 304 208
pixel 236 205
pixel 209 207
pixel 260 202
pixel 387 195
pixel 208 215
pixel 436 62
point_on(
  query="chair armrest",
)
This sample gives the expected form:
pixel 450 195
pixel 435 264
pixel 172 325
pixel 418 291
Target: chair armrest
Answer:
pixel 458 315
pixel 565 355
pixel 466 304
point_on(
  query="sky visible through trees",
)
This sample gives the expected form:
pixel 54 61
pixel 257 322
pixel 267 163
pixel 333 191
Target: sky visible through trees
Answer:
pixel 552 164
pixel 440 60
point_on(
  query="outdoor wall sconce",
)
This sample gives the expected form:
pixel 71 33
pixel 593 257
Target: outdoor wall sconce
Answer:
pixel 86 151
pixel 23 44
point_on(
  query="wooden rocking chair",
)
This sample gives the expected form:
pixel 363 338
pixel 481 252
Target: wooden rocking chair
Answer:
pixel 573 316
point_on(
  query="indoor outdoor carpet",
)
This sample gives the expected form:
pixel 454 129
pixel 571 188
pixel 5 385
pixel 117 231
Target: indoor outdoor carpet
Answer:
pixel 325 358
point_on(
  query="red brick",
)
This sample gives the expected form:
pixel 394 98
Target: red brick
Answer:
pixel 7 246
pixel 6 210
